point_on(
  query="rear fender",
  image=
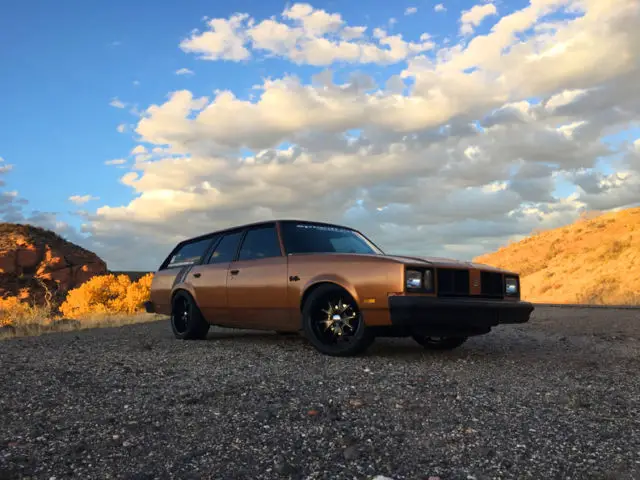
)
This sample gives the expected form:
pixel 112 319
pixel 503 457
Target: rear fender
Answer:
pixel 187 287
pixel 180 283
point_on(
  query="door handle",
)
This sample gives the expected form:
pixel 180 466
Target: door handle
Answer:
pixel 234 272
pixel 197 275
pixel 294 278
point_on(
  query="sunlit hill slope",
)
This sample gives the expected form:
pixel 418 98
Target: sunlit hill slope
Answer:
pixel 595 261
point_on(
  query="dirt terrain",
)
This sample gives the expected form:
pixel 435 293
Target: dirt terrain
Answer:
pixel 600 253
pixel 556 398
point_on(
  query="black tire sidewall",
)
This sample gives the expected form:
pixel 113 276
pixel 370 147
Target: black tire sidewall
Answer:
pixel 196 327
pixel 178 298
pixel 362 338
pixel 448 343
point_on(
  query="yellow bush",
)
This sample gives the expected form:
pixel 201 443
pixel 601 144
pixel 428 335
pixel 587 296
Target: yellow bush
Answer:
pixel 107 294
pixel 13 311
pixel 137 293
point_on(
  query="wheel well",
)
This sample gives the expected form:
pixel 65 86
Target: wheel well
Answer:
pixel 179 290
pixel 315 286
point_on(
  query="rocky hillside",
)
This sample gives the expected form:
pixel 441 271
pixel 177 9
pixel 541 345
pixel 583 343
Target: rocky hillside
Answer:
pixel 36 264
pixel 591 261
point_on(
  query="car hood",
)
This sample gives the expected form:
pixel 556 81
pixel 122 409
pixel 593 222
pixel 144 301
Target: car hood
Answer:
pixel 443 262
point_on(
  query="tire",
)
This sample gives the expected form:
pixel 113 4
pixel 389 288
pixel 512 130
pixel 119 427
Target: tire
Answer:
pixel 187 321
pixel 439 343
pixel 355 337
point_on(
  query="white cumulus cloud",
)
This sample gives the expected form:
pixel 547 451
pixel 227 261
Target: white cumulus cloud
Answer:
pixel 82 199
pixel 303 35
pixel 117 103
pixel 473 17
pixel 184 71
pixel 224 39
pixel 116 161
pixel 464 147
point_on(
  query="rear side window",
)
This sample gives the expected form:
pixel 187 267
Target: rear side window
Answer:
pixel 260 243
pixel 189 254
pixel 226 249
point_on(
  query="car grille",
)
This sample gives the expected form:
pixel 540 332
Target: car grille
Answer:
pixel 491 285
pixel 453 282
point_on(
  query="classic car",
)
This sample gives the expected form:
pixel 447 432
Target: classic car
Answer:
pixel 330 283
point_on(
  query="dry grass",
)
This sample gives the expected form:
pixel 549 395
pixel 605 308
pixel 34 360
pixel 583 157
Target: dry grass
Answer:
pixel 102 301
pixel 37 325
pixel 594 261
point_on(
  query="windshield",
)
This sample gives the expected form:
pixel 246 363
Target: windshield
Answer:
pixel 316 238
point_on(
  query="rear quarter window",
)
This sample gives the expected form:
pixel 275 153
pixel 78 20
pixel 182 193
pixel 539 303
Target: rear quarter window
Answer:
pixel 189 254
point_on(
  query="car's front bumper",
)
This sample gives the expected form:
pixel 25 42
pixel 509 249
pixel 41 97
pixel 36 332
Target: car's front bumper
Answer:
pixel 469 316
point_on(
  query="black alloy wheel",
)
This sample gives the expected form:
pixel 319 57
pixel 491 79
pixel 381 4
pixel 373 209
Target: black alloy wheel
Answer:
pixel 333 322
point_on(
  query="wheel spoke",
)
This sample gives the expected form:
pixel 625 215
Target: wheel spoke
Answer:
pixel 338 321
pixel 181 315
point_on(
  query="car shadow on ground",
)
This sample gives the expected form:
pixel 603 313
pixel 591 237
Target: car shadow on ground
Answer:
pixel 495 345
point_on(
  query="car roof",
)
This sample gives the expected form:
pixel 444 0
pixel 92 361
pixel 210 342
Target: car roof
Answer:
pixel 257 224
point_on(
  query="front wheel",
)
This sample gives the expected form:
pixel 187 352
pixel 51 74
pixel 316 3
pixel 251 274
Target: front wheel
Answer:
pixel 439 343
pixel 187 321
pixel 333 323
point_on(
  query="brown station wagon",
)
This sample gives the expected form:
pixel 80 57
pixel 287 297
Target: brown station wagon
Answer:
pixel 333 284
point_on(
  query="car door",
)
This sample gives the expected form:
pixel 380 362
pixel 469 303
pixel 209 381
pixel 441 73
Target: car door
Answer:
pixel 257 281
pixel 209 279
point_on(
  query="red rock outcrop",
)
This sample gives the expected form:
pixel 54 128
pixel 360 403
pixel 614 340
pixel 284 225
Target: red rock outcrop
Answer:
pixel 34 261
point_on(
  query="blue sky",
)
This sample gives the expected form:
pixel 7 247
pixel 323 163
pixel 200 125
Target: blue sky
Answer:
pixel 65 62
pixel 68 61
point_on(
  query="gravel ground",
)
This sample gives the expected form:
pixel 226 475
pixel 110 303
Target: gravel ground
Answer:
pixel 556 398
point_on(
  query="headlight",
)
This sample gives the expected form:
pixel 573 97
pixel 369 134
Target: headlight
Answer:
pixel 428 280
pixel 413 279
pixel 419 280
pixel 511 286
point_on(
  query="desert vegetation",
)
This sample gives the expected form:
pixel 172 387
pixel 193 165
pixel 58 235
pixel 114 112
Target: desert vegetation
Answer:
pixel 48 283
pixel 596 260
pixel 103 300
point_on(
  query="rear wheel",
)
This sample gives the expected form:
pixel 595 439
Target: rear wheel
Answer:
pixel 439 343
pixel 187 321
pixel 333 323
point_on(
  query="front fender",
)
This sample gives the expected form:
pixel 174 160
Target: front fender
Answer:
pixel 335 279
